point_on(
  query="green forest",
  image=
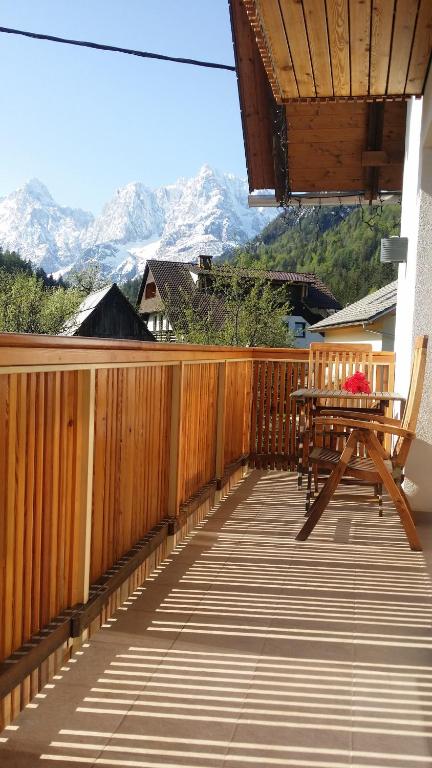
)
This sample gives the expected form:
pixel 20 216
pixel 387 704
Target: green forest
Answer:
pixel 341 245
pixel 30 300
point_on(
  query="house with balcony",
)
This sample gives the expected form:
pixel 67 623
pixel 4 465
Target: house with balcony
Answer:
pixel 159 606
pixel 164 282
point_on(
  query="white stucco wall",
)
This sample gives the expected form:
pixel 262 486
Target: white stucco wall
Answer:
pixel 414 307
pixel 380 334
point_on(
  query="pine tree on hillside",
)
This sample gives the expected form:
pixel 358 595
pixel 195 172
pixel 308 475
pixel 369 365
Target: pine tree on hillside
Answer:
pixel 341 245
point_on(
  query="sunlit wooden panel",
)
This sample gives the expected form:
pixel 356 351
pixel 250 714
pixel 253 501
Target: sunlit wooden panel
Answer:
pixel 295 28
pixel 360 25
pixel 421 50
pixel 381 36
pixel 255 96
pixel 403 33
pixel 315 16
pixel 338 32
pixel 343 48
pixel 271 17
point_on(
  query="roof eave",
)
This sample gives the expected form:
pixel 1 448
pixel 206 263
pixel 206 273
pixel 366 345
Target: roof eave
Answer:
pixel 367 321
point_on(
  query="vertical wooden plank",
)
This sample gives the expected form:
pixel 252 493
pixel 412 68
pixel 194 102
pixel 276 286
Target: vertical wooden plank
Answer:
pixel 360 16
pixel 10 512
pixel 253 443
pixel 175 450
pixel 38 501
pixel 100 476
pixel 4 395
pixel 421 49
pixel 29 507
pixel 403 32
pixel 274 413
pixel 381 33
pixel 282 413
pixel 84 489
pixel 19 521
pixel 292 13
pixel 220 419
pixel 268 390
pixel 54 469
pixel 270 13
pixel 338 29
pixel 316 24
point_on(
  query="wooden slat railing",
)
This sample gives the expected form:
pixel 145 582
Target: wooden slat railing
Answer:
pixel 273 422
pixel 106 448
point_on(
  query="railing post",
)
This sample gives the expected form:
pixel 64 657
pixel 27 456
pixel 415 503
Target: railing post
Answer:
pixel 85 447
pixel 220 424
pixel 175 441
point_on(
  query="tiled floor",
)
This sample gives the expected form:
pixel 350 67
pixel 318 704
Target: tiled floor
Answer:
pixel 251 649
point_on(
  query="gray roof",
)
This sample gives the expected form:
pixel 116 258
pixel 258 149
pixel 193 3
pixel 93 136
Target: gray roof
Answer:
pixel 365 311
pixel 84 311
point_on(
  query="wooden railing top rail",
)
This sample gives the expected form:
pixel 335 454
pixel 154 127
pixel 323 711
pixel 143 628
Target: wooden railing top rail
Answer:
pixel 29 350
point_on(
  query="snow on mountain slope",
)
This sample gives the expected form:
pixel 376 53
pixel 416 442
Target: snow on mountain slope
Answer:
pixel 42 231
pixel 205 214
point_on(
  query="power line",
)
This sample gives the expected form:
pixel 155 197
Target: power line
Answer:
pixel 116 49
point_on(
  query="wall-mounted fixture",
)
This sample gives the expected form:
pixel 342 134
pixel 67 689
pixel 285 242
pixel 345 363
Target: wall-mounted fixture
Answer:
pixel 394 250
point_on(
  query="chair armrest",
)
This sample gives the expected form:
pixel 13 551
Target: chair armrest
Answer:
pixel 371 426
pixel 363 416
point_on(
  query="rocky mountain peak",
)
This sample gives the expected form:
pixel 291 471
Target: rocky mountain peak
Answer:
pixel 207 213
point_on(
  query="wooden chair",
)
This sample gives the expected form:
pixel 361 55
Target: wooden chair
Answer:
pixel 377 466
pixel 328 368
pixel 331 364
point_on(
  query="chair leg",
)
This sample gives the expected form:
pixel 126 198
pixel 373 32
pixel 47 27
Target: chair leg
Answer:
pixel 316 478
pixel 328 489
pixel 378 494
pixel 309 493
pixel 397 495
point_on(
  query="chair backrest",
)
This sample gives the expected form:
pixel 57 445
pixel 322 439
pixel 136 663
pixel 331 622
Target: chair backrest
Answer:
pixel 418 367
pixel 331 364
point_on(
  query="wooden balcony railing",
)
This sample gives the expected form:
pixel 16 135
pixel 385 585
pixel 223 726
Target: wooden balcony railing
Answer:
pixel 107 448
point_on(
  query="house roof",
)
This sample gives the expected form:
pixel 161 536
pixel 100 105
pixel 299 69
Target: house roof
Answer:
pixel 91 304
pixel 174 276
pixel 85 309
pixel 362 312
pixel 170 276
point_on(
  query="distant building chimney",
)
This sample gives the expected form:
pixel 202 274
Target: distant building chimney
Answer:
pixel 205 262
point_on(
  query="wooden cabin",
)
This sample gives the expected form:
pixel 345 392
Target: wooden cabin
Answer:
pixel 107 314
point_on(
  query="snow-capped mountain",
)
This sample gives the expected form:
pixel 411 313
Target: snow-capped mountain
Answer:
pixel 205 214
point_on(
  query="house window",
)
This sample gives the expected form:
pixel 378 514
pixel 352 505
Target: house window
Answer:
pixel 150 291
pixel 299 330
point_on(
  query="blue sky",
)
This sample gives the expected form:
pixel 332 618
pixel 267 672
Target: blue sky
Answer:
pixel 86 122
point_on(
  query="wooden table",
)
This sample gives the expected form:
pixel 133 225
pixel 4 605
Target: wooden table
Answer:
pixel 307 407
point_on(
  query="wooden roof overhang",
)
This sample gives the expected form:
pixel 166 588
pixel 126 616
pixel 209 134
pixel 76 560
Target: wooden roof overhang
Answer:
pixel 323 86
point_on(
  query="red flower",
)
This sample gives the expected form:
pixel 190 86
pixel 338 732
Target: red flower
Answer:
pixel 357 384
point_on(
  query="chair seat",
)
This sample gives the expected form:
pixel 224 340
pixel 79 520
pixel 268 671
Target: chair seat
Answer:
pixel 356 463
